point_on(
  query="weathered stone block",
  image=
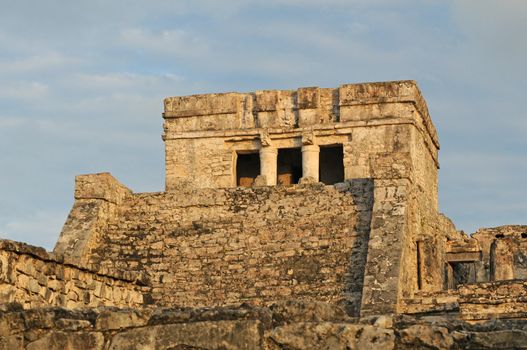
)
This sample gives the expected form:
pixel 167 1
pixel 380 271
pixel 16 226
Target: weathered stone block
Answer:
pixel 208 335
pixel 332 336
pixel 57 340
pixel 100 186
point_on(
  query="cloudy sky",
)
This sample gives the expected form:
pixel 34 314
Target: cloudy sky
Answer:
pixel 82 83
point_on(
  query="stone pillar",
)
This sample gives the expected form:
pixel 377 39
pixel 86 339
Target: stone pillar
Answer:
pixel 268 164
pixel 385 275
pixel 310 160
pixel 501 260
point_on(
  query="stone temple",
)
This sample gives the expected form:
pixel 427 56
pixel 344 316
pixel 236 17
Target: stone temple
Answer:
pixel 291 219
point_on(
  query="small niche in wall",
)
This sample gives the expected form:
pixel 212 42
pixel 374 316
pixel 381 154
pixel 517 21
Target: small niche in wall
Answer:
pixel 524 235
pixel 460 273
pixel 289 167
pixel 419 258
pixel 247 168
pixel 331 164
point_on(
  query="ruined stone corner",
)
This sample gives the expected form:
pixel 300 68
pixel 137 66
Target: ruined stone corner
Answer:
pixel 100 186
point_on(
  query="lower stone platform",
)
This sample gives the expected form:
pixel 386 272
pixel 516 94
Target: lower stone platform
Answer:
pixel 288 325
pixel 500 299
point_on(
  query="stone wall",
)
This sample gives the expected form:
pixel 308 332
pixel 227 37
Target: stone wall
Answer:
pixel 257 245
pixel 386 135
pixel 205 247
pixel 32 277
pixel 206 242
pixel 504 251
pixel 97 197
pixel 292 325
pixel 501 299
pixel 442 302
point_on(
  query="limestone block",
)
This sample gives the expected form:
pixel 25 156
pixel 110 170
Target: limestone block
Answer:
pixel 100 186
pixel 110 320
pixel 23 281
pixel 308 117
pixel 266 100
pixel 424 336
pixel 12 342
pixel 208 335
pixel 308 97
pixel 26 267
pixel 66 324
pixel 55 285
pixel 325 335
pixel 58 340
pixel 197 105
pixel 99 287
pixel 33 286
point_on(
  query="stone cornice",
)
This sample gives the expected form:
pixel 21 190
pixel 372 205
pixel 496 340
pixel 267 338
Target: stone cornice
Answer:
pixel 322 100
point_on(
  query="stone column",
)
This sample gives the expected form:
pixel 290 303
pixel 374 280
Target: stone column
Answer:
pixel 268 164
pixel 501 260
pixel 310 160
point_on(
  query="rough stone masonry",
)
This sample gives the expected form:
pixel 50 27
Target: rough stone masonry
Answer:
pixel 291 219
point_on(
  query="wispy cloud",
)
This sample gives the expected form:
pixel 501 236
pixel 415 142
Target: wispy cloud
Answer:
pixel 23 90
pixel 116 81
pixel 39 227
pixel 82 85
pixel 33 64
pixel 176 42
pixel 10 122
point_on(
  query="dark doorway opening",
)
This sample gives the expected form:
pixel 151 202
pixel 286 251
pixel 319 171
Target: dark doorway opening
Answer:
pixel 247 168
pixel 331 164
pixel 289 169
pixel 460 273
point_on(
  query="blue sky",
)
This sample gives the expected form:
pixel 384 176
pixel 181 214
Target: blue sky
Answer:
pixel 82 84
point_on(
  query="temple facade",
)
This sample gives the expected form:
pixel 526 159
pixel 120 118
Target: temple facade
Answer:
pixel 315 203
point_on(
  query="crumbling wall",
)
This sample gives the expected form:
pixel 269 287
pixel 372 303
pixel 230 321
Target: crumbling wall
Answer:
pixel 257 245
pixel 500 299
pixel 97 197
pixel 386 135
pixel 32 277
pixel 286 325
pixel 504 252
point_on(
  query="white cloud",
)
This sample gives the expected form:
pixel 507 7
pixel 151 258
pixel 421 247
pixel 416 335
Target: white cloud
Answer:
pixel 486 169
pixel 9 122
pixel 119 81
pixel 90 83
pixel 34 63
pixel 497 28
pixel 23 90
pixel 176 42
pixel 334 3
pixel 41 227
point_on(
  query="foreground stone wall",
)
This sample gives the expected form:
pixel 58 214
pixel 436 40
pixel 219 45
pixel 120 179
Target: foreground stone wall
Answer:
pixel 289 325
pixel 258 245
pixel 33 278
